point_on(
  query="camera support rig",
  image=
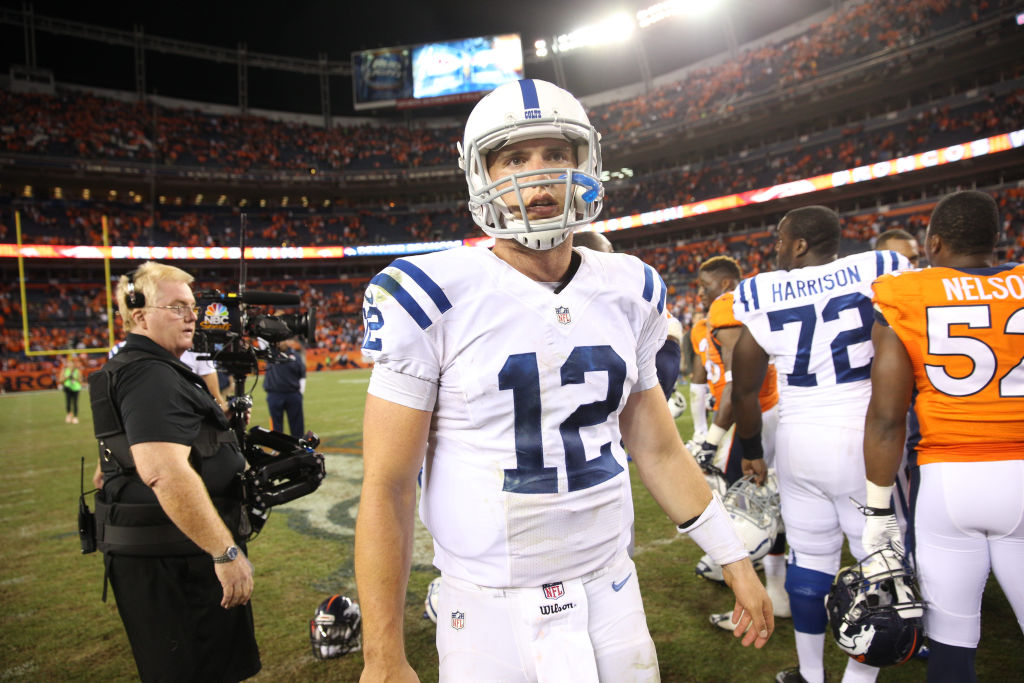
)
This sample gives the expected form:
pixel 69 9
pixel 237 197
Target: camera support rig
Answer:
pixel 292 468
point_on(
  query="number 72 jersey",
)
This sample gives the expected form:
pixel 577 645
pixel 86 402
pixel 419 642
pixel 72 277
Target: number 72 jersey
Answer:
pixel 964 334
pixel 816 324
pixel 525 480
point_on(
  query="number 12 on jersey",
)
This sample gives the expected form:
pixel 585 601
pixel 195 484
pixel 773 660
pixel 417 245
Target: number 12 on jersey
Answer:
pixel 521 376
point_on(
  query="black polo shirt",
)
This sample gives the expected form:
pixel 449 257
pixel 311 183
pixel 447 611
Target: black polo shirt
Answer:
pixel 158 403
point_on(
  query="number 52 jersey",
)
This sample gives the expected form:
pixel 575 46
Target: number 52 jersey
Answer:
pixel 525 480
pixel 964 334
pixel 816 323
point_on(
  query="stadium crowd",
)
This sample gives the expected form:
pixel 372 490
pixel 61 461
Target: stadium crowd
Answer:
pixel 79 222
pixel 66 315
pixel 86 126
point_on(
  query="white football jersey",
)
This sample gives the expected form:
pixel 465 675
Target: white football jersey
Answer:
pixel 525 480
pixel 815 322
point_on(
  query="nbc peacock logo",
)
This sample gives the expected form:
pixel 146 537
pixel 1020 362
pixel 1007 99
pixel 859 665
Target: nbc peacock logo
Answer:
pixel 215 316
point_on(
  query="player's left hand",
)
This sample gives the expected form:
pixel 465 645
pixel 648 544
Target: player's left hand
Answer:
pixel 753 612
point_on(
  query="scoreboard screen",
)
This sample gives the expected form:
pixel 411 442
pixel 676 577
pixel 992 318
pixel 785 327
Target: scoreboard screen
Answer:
pixel 466 66
pixel 435 73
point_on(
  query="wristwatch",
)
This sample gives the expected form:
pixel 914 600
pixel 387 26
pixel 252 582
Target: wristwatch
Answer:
pixel 229 555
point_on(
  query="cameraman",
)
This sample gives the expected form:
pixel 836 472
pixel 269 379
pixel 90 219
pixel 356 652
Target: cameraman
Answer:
pixel 169 516
pixel 285 383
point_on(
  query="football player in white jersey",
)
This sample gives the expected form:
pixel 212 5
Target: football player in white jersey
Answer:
pixel 514 375
pixel 813 316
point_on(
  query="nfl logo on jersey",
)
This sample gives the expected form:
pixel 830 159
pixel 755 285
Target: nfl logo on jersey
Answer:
pixel 553 591
pixel 458 620
pixel 562 313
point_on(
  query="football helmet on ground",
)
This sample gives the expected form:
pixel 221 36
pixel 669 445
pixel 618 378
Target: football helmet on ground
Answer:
pixel 430 603
pixel 755 513
pixel 876 611
pixel 335 628
pixel 531 109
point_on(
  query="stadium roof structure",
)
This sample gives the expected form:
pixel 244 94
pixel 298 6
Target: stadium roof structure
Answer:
pixel 270 56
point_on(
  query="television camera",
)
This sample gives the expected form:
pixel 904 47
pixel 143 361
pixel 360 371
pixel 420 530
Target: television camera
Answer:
pixel 233 330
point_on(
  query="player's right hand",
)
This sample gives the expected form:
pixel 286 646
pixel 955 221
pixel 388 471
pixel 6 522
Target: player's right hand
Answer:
pixel 235 580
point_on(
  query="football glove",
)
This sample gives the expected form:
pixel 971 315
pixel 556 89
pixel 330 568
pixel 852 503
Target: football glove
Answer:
pixel 705 454
pixel 677 404
pixel 881 530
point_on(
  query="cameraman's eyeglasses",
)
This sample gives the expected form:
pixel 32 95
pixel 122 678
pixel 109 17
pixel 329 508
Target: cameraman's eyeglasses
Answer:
pixel 180 310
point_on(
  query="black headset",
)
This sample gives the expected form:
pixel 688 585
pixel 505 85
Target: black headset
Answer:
pixel 132 298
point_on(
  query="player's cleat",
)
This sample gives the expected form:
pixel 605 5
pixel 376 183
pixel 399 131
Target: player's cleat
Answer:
pixel 723 620
pixel 709 570
pixel 790 675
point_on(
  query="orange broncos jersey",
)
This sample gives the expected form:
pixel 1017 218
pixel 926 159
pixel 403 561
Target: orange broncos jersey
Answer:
pixel 964 333
pixel 709 358
pixel 720 315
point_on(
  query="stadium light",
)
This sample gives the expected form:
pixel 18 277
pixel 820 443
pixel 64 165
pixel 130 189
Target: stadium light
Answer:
pixel 615 29
pixel 619 27
pixel 671 8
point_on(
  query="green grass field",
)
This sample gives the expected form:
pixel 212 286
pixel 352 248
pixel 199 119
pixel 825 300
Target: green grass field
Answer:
pixel 53 626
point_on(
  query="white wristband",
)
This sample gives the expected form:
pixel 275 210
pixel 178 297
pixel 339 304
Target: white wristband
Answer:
pixel 715 434
pixel 728 376
pixel 714 533
pixel 879 496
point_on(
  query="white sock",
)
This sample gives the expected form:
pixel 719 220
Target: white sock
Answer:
pixel 859 673
pixel 775 565
pixel 810 652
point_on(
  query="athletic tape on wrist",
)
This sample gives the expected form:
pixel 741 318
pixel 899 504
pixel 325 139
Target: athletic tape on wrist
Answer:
pixel 715 434
pixel 878 496
pixel 714 533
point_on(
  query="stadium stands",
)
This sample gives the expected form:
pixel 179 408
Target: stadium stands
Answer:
pixel 79 139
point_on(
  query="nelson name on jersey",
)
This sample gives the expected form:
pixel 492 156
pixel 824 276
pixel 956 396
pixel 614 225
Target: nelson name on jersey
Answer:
pixel 974 288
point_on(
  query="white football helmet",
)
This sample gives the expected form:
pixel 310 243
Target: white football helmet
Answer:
pixel 531 109
pixel 755 513
pixel 430 603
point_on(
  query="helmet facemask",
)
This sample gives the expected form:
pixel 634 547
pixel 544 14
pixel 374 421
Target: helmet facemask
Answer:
pixel 755 513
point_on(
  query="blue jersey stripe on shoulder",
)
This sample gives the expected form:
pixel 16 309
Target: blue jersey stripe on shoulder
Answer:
pixel 743 296
pixel 664 295
pixel 423 280
pixel 895 260
pixel 879 264
pixel 391 286
pixel 648 282
pixel 753 292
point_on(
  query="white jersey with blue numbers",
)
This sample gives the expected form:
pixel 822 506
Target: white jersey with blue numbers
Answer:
pixel 816 324
pixel 525 480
